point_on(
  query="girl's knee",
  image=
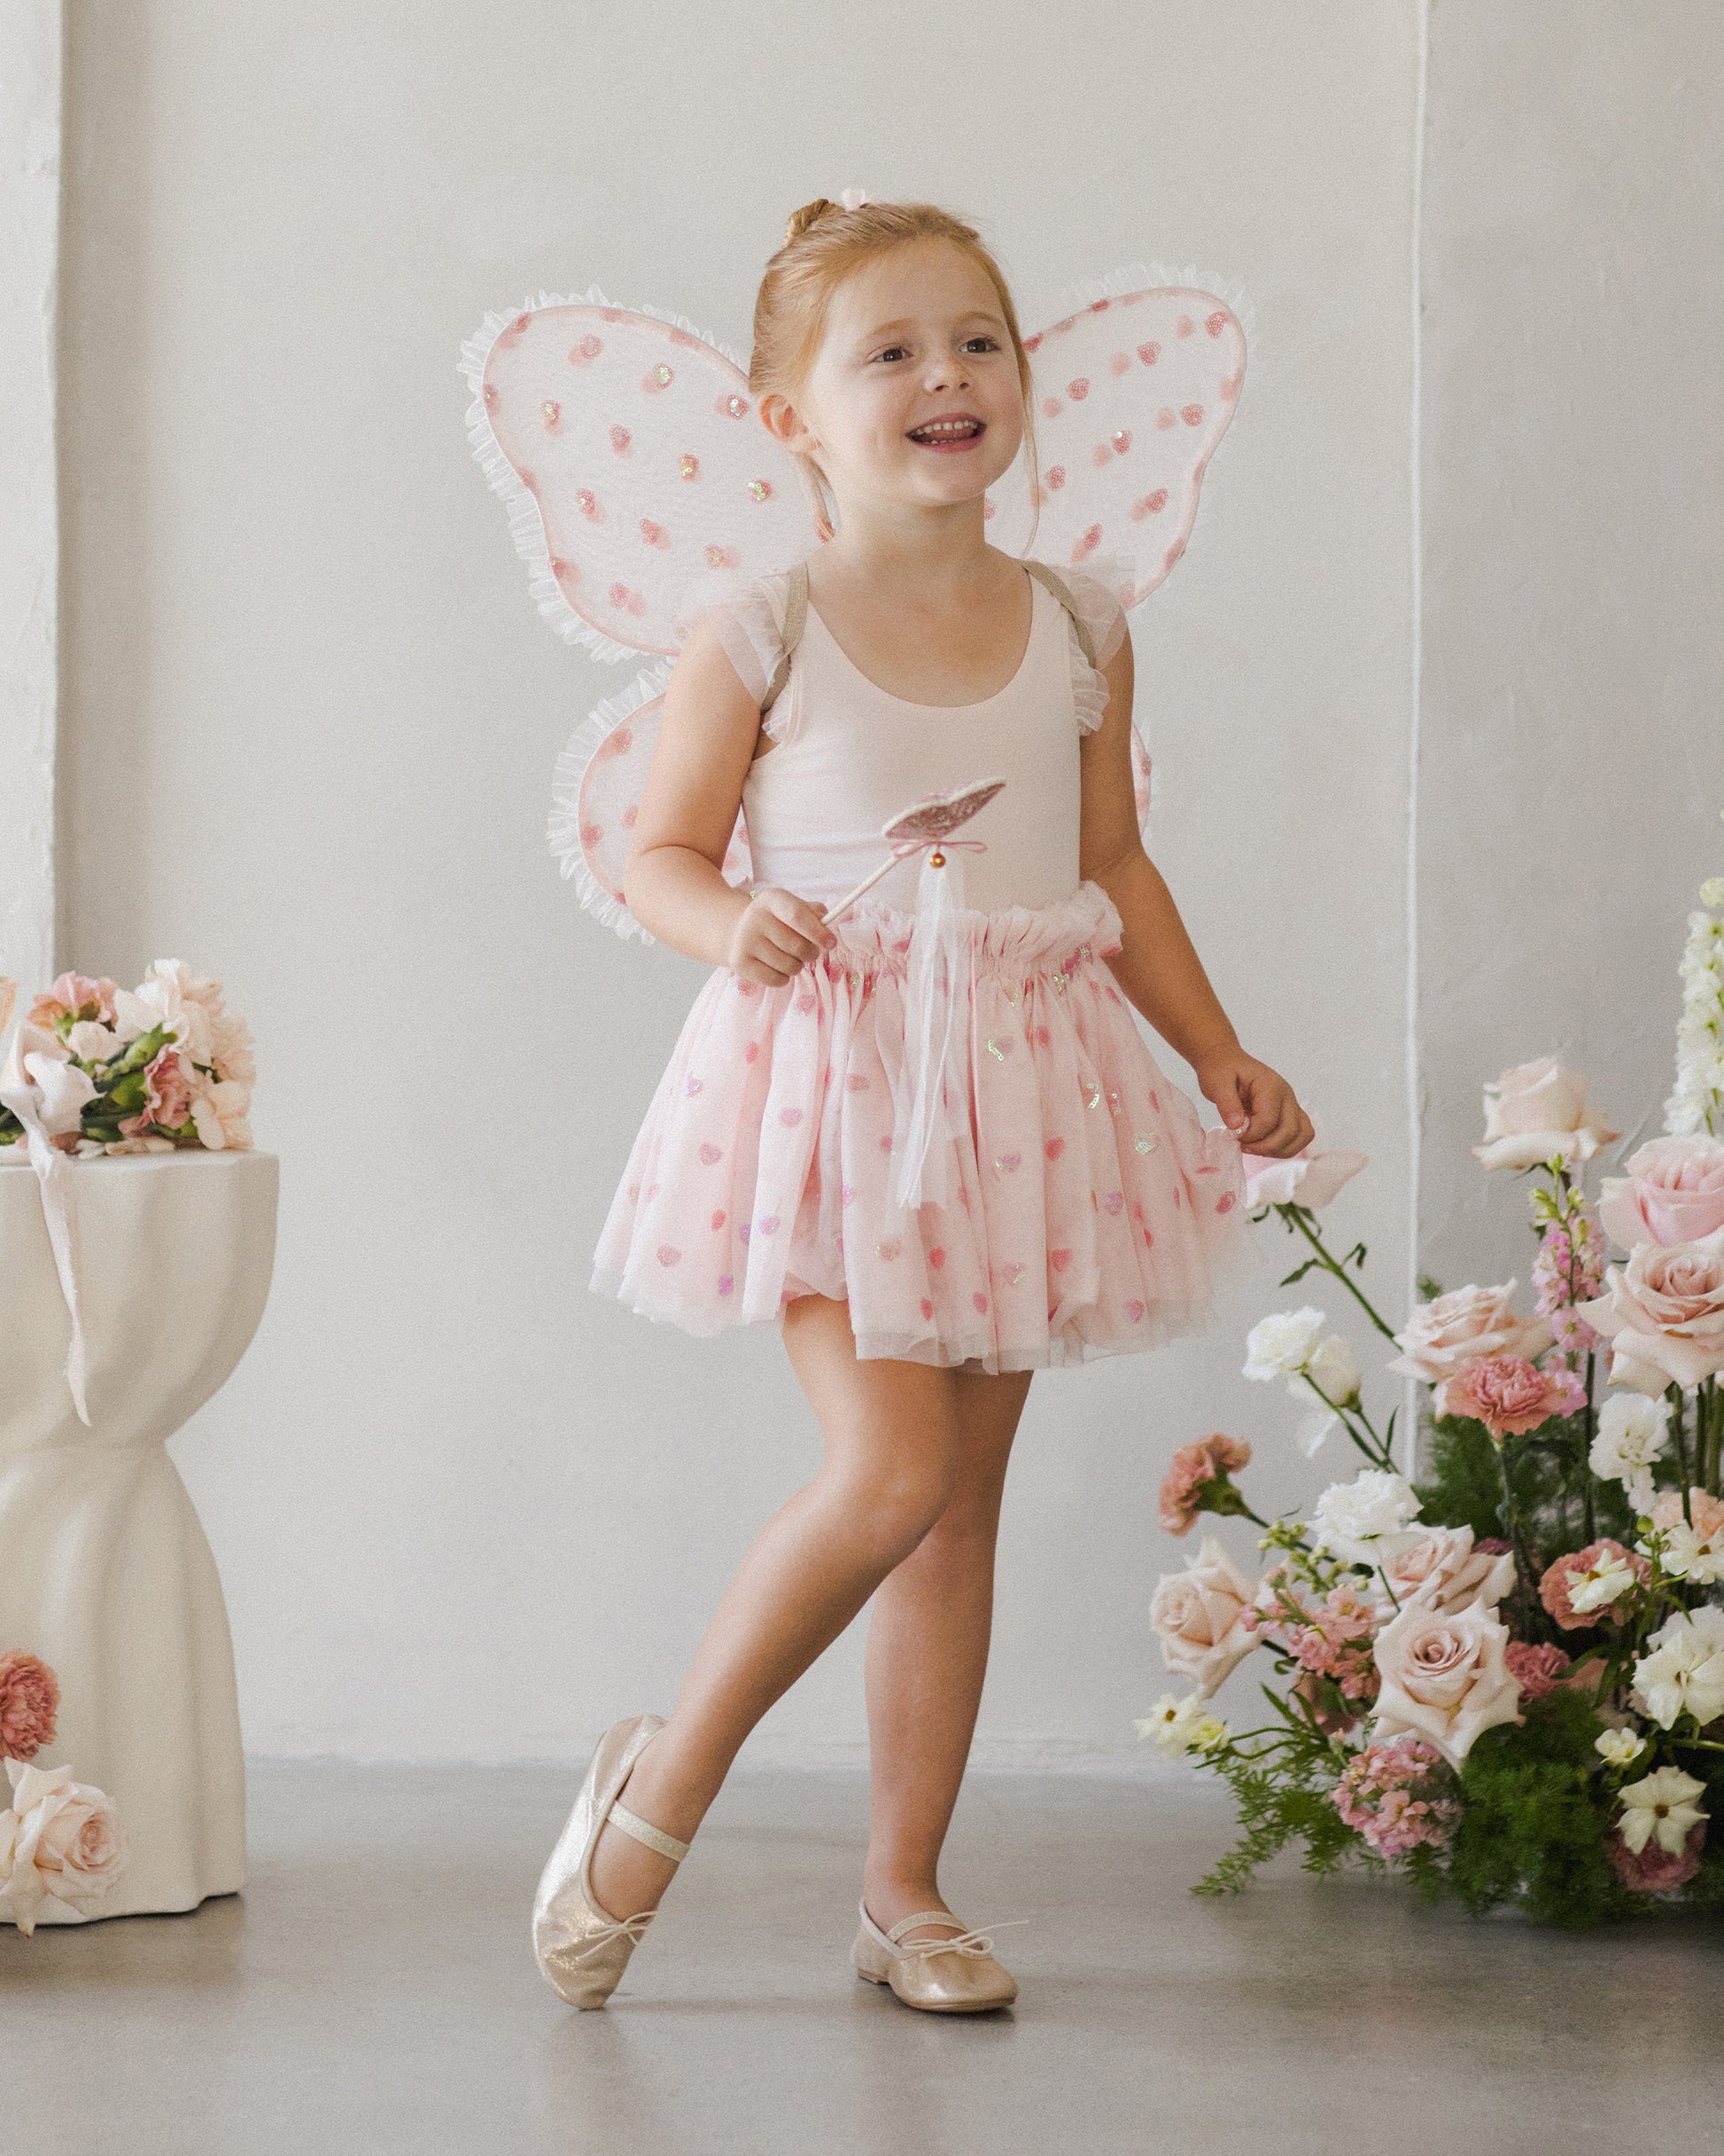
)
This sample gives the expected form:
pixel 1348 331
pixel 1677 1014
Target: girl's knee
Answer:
pixel 894 1502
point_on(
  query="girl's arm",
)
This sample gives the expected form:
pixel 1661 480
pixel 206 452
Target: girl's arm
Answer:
pixel 675 890
pixel 1158 968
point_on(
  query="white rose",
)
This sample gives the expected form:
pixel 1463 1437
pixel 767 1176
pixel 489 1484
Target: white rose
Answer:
pixel 1537 1112
pixel 60 1842
pixel 1196 1615
pixel 1684 1673
pixel 1661 1807
pixel 1364 1521
pixel 1452 1328
pixel 1633 1432
pixel 1280 1346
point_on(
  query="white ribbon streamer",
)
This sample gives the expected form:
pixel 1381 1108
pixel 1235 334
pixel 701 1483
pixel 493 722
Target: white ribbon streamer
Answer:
pixel 19 1092
pixel 936 1033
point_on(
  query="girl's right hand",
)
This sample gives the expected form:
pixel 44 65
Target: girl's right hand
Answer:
pixel 776 936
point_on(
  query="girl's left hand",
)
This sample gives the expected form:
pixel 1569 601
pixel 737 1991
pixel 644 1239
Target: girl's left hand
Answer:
pixel 1257 1103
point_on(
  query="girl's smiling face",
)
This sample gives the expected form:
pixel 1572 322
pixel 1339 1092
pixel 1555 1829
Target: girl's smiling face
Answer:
pixel 913 399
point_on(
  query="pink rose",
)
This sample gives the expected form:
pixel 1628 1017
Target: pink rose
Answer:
pixel 1673 1192
pixel 1444 1677
pixel 60 1842
pixel 1538 1670
pixel 1444 1569
pixel 1309 1179
pixel 1452 1328
pixel 1565 1573
pixel 1654 1869
pixel 1196 1476
pixel 1538 1112
pixel 1196 1615
pixel 1506 1394
pixel 29 1705
pixel 1664 1314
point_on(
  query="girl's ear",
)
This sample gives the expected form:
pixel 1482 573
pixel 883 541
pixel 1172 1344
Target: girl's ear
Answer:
pixel 785 424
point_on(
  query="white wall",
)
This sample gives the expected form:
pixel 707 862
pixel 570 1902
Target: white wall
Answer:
pixel 462 1507
pixel 1572 746
pixel 29 245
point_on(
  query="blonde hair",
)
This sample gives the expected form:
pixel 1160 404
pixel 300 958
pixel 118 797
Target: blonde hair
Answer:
pixel 824 243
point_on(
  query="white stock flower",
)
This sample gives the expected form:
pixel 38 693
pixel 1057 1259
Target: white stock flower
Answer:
pixel 1661 1808
pixel 1365 1521
pixel 1282 1344
pixel 1698 1102
pixel 1181 1725
pixel 1633 1432
pixel 1684 1673
pixel 1617 1747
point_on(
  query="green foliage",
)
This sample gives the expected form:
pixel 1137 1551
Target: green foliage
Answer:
pixel 1537 1809
pixel 1282 1797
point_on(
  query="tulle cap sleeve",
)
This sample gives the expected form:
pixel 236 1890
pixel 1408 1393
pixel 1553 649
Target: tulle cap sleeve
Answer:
pixel 747 614
pixel 1103 617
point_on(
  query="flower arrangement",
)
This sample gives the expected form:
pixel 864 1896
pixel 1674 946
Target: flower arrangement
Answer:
pixel 1507 1679
pixel 60 1841
pixel 101 1069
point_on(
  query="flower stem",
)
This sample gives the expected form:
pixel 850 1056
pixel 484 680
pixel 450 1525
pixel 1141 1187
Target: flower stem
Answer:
pixel 1297 1216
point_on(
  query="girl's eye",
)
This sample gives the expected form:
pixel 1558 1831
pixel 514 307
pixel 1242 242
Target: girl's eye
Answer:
pixel 890 350
pixel 987 343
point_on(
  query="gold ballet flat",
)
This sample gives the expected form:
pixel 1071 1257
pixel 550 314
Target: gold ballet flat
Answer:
pixel 581 1951
pixel 947 1975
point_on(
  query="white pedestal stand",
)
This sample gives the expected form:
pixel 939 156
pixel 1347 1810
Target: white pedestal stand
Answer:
pixel 104 1572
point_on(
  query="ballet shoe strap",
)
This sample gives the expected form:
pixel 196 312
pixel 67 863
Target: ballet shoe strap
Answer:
pixel 654 1837
pixel 975 1944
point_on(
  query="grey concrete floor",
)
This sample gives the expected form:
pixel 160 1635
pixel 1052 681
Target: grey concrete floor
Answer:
pixel 373 1991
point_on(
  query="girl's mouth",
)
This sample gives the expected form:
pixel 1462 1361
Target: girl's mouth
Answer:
pixel 962 430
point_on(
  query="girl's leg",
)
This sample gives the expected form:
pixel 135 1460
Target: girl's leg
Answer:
pixel 889 1471
pixel 927 1656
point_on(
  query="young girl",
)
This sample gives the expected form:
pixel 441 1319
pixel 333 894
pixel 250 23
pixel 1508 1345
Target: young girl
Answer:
pixel 1071 1203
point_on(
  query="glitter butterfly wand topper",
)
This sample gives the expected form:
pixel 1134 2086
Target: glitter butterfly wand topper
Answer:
pixel 925 824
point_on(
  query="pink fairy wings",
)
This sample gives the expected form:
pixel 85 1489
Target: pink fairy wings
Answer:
pixel 640 486
pixel 626 447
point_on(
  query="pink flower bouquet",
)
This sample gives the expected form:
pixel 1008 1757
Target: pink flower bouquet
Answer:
pixel 1505 1678
pixel 100 1069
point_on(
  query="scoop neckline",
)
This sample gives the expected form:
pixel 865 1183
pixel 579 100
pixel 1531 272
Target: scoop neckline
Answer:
pixel 909 703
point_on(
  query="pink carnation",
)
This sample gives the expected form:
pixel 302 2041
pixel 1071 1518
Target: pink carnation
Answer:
pixel 1654 1869
pixel 1197 1477
pixel 1538 1670
pixel 1555 1587
pixel 1707 1511
pixel 29 1704
pixel 168 1101
pixel 1393 1794
pixel 73 996
pixel 1508 1395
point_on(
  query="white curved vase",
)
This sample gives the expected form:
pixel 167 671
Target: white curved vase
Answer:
pixel 104 1571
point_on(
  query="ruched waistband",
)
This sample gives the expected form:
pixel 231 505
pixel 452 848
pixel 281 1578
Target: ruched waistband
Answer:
pixel 1012 941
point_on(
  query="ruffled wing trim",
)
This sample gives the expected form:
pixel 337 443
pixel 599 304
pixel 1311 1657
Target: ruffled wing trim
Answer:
pixel 575 852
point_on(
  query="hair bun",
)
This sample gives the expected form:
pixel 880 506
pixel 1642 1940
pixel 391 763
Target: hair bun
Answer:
pixel 810 213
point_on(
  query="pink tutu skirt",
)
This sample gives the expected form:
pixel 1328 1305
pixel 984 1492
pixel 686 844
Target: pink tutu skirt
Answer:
pixel 1092 1207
